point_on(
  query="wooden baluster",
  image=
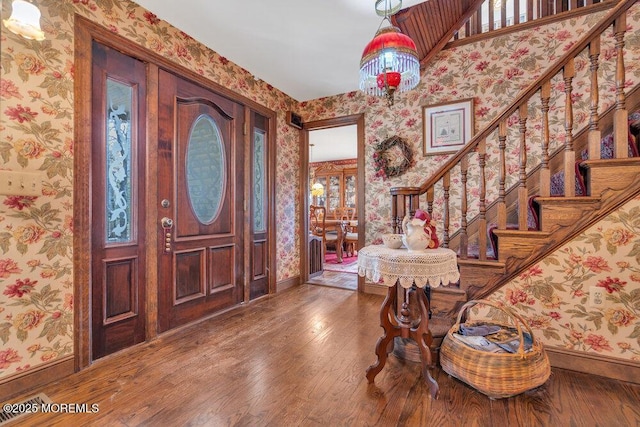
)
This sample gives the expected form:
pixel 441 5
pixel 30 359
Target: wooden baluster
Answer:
pixel 544 9
pixel 464 238
pixel 569 153
pixel 545 173
pixel 530 9
pixel 482 217
pixel 400 213
pixel 516 12
pixel 620 117
pixel 503 14
pixel 472 25
pixel 430 197
pixel 394 213
pixel 573 4
pixel 402 208
pixel 523 194
pixel 446 183
pixel 491 16
pixel 405 210
pixel 502 205
pixel 414 203
pixel 595 136
pixel 478 22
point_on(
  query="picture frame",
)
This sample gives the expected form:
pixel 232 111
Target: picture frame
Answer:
pixel 447 127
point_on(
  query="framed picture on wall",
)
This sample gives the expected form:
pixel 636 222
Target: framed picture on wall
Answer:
pixel 447 127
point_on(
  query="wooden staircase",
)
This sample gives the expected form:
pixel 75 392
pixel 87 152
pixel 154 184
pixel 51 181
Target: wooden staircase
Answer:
pixel 561 219
pixel 610 182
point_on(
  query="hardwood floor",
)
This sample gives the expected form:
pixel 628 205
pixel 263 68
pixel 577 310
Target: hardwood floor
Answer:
pixel 336 279
pixel 298 359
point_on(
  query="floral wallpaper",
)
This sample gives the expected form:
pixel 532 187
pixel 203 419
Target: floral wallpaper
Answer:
pixel 37 131
pixel 553 296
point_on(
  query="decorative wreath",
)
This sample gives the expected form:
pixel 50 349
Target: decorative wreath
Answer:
pixel 387 163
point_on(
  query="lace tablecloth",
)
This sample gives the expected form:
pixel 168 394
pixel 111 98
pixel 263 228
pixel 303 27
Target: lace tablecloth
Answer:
pixel 433 267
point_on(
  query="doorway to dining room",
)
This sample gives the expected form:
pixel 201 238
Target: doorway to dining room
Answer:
pixel 333 176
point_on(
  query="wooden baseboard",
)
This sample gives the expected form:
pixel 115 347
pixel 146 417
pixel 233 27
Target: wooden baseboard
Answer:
pixel 18 384
pixel 609 367
pixel 287 283
pixel 375 288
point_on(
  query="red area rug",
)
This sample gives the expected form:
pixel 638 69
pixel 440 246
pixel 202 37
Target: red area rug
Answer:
pixel 348 265
pixel 332 258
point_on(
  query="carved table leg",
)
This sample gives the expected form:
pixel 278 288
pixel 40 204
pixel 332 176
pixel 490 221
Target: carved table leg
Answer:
pixel 423 337
pixel 384 345
pixel 401 326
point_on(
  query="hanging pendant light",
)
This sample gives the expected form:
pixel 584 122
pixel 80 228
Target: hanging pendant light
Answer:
pixel 25 20
pixel 317 189
pixel 389 62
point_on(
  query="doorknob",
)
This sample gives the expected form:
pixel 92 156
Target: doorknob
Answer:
pixel 167 223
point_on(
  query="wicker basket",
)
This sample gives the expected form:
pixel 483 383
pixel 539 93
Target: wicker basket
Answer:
pixel 497 375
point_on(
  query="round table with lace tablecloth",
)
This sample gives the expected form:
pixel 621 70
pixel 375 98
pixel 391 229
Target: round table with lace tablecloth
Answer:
pixel 409 271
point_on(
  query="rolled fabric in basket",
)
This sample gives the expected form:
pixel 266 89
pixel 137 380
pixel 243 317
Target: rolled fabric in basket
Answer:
pixel 478 330
pixel 479 343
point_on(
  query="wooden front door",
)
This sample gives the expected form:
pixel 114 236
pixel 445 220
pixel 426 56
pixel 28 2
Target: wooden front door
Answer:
pixel 172 198
pixel 200 202
pixel 117 185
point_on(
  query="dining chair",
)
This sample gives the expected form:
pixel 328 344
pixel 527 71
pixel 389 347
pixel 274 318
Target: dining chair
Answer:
pixel 351 235
pixel 317 227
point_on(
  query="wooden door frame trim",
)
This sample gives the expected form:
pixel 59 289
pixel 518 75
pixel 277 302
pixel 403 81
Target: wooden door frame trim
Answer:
pixel 354 119
pixel 85 32
pixel 81 197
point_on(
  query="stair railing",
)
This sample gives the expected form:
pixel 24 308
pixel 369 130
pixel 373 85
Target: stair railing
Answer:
pixel 405 200
pixel 495 15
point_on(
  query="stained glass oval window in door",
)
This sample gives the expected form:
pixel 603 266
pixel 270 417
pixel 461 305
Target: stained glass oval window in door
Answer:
pixel 205 169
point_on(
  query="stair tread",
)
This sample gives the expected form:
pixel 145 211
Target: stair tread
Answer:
pixel 562 199
pixel 531 233
pixel 493 263
pixel 610 162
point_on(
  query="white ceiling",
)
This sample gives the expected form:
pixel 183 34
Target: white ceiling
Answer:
pixel 333 144
pixel 306 48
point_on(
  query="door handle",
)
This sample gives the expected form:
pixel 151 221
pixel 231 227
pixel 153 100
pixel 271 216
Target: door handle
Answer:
pixel 167 224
